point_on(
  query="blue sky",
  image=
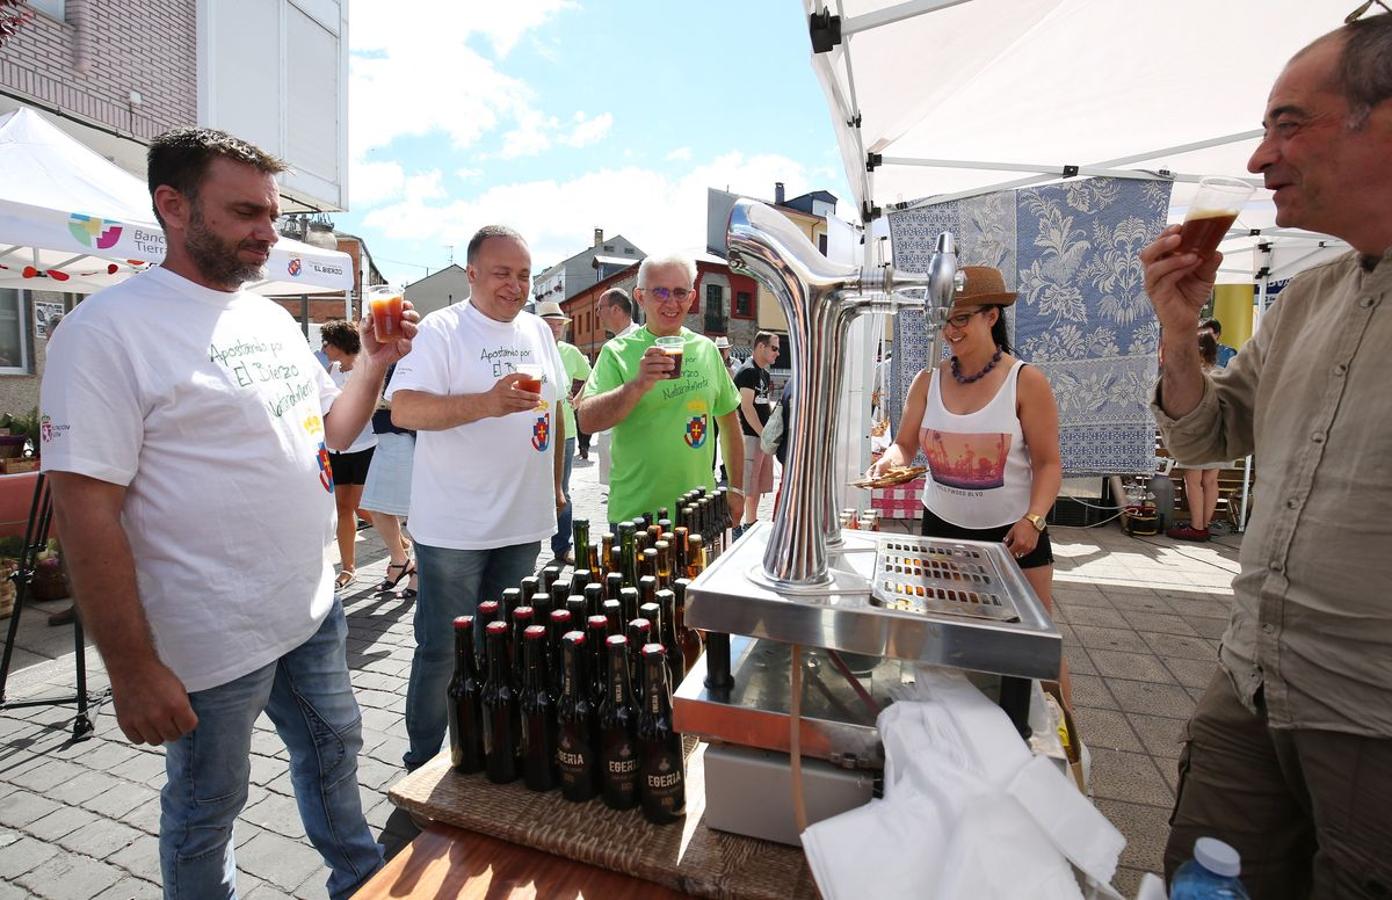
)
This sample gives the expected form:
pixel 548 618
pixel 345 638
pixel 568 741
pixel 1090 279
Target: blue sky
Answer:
pixel 558 116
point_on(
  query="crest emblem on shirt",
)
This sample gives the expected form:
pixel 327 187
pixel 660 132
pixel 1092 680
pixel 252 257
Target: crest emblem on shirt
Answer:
pixel 541 433
pixel 695 435
pixel 325 468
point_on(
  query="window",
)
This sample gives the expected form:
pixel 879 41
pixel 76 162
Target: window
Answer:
pixel 744 305
pixel 14 333
pixel 715 309
pixel 821 243
pixel 51 8
pixel 628 251
pixel 608 248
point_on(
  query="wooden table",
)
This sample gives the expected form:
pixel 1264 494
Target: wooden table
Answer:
pixel 444 861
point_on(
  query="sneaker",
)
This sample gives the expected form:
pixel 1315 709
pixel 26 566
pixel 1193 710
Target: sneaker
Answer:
pixel 1188 533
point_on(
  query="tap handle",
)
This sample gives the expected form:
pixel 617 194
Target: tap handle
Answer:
pixel 944 278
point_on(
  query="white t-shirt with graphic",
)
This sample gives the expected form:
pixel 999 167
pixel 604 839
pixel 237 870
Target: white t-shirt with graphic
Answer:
pixel 207 406
pixel 489 483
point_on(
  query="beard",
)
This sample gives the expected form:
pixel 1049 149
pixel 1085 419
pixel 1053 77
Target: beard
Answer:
pixel 216 258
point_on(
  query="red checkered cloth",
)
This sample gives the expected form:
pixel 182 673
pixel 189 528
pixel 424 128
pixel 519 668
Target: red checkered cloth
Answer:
pixel 903 501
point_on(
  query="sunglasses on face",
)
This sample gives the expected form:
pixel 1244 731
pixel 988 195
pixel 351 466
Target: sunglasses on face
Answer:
pixel 665 294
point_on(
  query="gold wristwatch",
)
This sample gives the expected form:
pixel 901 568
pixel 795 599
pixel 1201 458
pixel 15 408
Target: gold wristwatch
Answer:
pixel 1037 521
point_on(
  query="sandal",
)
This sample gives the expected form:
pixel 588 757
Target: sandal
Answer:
pixel 344 579
pixel 408 568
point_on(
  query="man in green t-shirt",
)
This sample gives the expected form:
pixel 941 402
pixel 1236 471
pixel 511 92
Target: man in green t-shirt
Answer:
pixel 662 435
pixel 577 369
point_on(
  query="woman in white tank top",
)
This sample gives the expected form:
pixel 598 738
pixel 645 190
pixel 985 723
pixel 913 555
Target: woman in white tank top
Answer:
pixel 989 427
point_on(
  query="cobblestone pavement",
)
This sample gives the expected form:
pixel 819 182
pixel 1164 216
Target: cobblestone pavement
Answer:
pixel 1140 620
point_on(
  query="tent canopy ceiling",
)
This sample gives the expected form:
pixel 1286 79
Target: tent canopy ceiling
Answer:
pixel 1044 84
pixel 70 220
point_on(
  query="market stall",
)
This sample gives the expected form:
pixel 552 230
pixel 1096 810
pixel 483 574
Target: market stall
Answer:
pixel 72 221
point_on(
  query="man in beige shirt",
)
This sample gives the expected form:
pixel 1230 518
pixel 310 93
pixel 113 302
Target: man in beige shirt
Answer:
pixel 1288 756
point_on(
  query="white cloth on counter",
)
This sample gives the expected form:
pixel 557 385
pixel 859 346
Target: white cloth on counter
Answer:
pixel 968 811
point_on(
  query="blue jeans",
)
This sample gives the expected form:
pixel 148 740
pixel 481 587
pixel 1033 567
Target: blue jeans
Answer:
pixel 309 698
pixel 560 541
pixel 451 584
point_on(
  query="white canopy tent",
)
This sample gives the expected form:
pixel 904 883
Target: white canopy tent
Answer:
pixel 940 99
pixel 71 220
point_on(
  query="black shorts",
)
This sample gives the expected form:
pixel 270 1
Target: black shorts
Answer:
pixel 1041 555
pixel 351 468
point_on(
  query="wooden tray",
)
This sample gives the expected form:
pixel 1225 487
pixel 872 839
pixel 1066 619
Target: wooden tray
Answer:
pixel 685 856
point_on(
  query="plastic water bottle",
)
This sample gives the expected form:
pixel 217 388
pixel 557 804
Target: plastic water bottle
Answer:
pixel 1210 875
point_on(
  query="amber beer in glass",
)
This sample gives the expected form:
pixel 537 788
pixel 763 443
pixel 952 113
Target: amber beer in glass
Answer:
pixel 385 305
pixel 674 347
pixel 531 378
pixel 1211 213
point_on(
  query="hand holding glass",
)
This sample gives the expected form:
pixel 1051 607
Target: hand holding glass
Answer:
pixel 674 347
pixel 531 378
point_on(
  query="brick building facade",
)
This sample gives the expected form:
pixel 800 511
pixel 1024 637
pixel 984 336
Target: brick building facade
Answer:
pixel 88 65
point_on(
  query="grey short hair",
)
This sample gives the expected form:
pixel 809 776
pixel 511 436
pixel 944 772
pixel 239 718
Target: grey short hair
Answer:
pixel 1363 73
pixel 687 264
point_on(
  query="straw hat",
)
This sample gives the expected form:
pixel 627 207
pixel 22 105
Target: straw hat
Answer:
pixel 984 287
pixel 550 309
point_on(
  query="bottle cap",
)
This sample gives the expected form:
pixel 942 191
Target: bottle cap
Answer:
pixel 1217 857
pixel 463 622
pixel 561 615
pixel 534 632
pixel 654 650
pixel 497 628
pixel 597 622
pixel 616 640
pixel 573 637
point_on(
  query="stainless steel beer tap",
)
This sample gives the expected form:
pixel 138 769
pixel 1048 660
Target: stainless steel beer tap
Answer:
pixel 820 299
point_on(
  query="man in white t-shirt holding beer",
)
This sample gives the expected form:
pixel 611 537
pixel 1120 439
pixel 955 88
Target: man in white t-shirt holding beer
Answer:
pixel 482 390
pixel 186 433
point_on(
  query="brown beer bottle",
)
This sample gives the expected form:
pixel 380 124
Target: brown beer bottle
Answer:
pixel 538 715
pixel 647 590
pixel 639 634
pixel 578 579
pixel 613 585
pixel 559 623
pixel 541 608
pixel 465 702
pixel 662 782
pixel 577 740
pixel 664 564
pixel 500 717
pixel 512 598
pixel 696 556
pixel 594 596
pixel 606 552
pixel 530 585
pixel 689 638
pixel 666 635
pixel 613 617
pixel 548 577
pixel 618 731
pixel 521 619
pixel 579 611
pixel 596 631
pixel 679 551
pixel 487 614
pixel 628 599
pixel 559 592
pixel 649 566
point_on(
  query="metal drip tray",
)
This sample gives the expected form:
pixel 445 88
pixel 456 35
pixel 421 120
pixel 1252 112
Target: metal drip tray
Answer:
pixel 865 609
pixel 924 575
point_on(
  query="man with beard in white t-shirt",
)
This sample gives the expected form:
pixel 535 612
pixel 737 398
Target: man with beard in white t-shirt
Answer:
pixel 186 433
pixel 486 486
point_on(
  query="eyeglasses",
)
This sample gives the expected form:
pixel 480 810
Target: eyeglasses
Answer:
pixel 961 319
pixel 1363 8
pixel 665 294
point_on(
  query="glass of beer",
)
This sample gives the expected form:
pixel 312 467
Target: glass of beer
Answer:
pixel 531 378
pixel 385 304
pixel 673 346
pixel 1211 213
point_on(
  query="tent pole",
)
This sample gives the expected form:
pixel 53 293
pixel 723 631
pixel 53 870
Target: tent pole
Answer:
pixel 304 315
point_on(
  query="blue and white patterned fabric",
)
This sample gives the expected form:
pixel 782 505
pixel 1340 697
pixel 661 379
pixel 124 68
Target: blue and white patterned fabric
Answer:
pixel 1082 316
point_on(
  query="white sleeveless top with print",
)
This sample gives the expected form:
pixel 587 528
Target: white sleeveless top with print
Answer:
pixel 979 472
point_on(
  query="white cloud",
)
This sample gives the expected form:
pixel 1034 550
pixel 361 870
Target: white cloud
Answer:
pixel 370 183
pixel 588 131
pixel 654 210
pixel 681 154
pixel 467 174
pixel 536 133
